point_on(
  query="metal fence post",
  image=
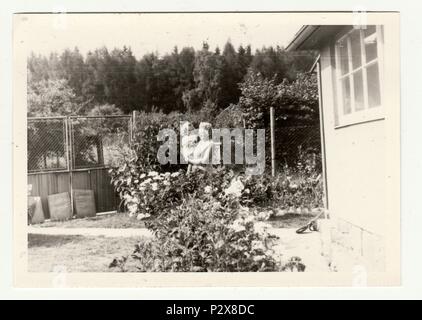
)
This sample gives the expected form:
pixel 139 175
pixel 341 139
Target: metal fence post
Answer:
pixel 272 141
pixel 70 165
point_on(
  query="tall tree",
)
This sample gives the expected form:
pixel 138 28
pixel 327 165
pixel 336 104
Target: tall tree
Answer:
pixel 120 79
pixel 37 68
pixel 232 75
pixel 96 66
pixel 244 59
pixel 278 64
pixel 72 69
pixel 145 81
pixel 207 75
pixel 185 68
pixel 51 98
pixel 181 80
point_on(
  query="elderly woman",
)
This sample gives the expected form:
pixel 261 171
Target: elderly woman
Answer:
pixel 198 152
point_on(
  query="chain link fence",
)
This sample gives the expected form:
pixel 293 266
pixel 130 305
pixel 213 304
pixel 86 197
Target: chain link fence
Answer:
pixel 47 144
pixel 96 141
pixel 290 142
pixel 65 143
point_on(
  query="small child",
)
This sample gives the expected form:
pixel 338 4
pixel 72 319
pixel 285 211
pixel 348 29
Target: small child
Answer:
pixel 189 141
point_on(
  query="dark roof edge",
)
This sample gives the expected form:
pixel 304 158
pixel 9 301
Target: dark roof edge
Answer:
pixel 300 37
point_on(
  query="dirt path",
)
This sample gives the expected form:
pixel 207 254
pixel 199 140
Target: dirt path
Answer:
pixel 91 232
pixel 306 246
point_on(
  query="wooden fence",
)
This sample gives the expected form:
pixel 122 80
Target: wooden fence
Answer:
pixel 59 162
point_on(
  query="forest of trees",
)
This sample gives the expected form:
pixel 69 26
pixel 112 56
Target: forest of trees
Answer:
pixel 184 80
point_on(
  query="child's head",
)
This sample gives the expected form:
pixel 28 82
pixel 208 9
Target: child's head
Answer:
pixel 204 130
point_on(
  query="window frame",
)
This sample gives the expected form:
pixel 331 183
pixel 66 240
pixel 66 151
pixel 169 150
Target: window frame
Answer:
pixel 366 114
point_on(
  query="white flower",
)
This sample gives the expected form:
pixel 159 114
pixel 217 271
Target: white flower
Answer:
pixel 258 258
pixel 216 205
pixel 269 252
pixel 175 174
pixel 235 188
pixel 167 174
pixel 142 216
pixel 142 176
pixel 264 215
pixel 237 226
pixel 133 208
pixel 261 227
pixel 147 181
pixel 207 189
pixel 152 173
pixel 154 186
pixel 135 200
pixel 249 219
pixel 257 245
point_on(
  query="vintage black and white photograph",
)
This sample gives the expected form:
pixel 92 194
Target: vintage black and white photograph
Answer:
pixel 261 145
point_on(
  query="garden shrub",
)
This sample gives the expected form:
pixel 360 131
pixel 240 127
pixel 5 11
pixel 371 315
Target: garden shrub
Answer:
pixel 231 117
pixel 147 194
pixel 202 235
pixel 295 103
pixel 300 186
pixel 296 111
pixel 150 193
pixel 211 220
pixel 206 220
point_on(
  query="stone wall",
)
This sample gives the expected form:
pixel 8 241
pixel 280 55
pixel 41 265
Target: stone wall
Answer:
pixel 347 246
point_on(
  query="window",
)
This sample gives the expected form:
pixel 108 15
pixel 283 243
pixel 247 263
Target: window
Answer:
pixel 359 60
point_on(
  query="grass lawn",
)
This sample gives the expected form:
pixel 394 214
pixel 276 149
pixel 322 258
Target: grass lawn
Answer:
pixel 115 221
pixel 291 220
pixel 75 253
pixel 94 254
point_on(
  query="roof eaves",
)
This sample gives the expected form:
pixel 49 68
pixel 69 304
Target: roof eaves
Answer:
pixel 300 37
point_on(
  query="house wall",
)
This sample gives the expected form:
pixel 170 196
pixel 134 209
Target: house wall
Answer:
pixel 362 162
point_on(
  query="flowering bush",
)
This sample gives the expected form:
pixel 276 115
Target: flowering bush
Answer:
pixel 204 235
pixel 147 194
pixel 299 187
pixel 150 194
pixel 208 220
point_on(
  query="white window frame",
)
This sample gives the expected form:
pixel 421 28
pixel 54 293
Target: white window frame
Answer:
pixel 366 114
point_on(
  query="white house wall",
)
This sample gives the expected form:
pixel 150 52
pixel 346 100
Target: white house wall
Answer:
pixel 357 160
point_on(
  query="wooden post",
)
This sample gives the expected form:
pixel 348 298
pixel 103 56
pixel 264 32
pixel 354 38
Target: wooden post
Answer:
pixel 133 126
pixel 272 142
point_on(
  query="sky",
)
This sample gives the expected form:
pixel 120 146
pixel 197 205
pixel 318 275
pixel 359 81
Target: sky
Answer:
pixel 146 33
